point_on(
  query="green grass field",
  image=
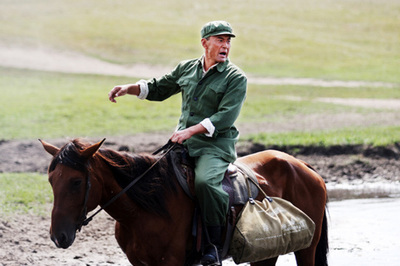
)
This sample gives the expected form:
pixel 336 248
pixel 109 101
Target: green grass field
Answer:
pixel 343 39
pixel 24 193
pixel 50 105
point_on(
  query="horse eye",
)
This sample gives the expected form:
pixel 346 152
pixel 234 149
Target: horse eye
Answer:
pixel 76 183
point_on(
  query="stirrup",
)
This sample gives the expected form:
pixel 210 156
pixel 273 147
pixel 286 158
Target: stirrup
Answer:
pixel 211 258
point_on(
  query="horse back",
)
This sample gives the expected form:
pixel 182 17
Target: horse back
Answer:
pixel 282 175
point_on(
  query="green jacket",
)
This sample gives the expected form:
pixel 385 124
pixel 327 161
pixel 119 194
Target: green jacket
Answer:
pixel 218 96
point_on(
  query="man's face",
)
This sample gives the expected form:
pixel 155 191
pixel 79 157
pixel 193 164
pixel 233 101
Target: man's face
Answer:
pixel 217 48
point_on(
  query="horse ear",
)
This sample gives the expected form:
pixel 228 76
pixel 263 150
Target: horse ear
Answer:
pixel 53 150
pixel 89 151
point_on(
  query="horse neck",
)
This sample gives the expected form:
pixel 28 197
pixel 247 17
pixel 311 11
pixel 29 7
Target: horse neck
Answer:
pixel 137 227
pixel 124 207
pixel 104 188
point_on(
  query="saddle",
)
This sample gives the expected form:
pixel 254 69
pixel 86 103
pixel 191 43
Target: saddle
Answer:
pixel 234 184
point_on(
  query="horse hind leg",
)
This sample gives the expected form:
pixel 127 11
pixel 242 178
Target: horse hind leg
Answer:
pixel 316 254
pixel 268 262
pixel 305 257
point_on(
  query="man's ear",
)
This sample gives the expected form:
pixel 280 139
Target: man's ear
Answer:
pixel 204 43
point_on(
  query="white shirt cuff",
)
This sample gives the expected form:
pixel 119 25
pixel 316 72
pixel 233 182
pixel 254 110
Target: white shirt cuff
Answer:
pixel 144 89
pixel 209 126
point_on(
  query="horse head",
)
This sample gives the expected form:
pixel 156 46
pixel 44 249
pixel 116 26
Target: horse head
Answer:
pixel 69 176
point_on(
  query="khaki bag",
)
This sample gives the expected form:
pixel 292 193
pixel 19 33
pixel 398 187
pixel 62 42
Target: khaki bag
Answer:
pixel 268 229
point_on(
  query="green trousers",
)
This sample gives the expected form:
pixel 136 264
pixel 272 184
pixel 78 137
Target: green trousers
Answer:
pixel 213 200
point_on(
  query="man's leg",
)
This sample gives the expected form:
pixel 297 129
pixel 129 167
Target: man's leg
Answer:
pixel 213 200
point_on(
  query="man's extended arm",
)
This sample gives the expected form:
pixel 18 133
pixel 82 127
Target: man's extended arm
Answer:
pixel 121 90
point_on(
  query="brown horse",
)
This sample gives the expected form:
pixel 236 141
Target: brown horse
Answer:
pixel 154 217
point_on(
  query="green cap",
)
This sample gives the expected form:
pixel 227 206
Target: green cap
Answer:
pixel 214 28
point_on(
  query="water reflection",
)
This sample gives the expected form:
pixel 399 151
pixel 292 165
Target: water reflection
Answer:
pixel 363 190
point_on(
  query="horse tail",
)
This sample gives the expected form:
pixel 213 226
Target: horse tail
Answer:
pixel 321 258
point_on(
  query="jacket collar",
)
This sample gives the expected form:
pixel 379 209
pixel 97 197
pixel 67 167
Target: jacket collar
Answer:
pixel 220 66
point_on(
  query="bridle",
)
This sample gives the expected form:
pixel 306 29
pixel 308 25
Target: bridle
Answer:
pixel 82 216
pixel 83 220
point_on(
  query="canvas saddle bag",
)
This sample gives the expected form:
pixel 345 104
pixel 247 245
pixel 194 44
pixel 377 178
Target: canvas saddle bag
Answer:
pixel 269 228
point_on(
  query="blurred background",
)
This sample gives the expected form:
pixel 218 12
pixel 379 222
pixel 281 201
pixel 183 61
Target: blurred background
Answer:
pixel 300 57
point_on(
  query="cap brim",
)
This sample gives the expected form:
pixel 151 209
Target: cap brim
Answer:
pixel 220 33
pixel 225 33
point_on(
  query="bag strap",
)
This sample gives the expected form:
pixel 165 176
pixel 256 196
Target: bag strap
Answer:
pixel 251 199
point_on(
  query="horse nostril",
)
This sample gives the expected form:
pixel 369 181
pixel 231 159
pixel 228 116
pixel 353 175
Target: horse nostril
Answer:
pixel 61 241
pixel 63 238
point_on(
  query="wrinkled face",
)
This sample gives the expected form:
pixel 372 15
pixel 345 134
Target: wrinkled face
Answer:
pixel 69 189
pixel 217 48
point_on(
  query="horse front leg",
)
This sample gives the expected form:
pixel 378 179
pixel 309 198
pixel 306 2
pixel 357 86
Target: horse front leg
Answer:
pixel 153 256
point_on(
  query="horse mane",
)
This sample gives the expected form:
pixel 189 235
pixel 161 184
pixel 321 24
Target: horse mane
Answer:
pixel 69 156
pixel 148 193
pixel 151 190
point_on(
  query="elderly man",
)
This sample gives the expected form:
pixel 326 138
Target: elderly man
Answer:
pixel 213 91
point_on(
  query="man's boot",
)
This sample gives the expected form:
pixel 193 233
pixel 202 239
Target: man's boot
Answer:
pixel 213 249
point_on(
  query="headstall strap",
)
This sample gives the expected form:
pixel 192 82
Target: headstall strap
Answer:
pixel 83 216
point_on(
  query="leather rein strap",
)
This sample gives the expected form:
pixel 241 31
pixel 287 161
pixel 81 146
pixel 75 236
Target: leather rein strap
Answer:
pixel 85 221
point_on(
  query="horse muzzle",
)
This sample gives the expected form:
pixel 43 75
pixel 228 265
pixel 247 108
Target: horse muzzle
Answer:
pixel 63 239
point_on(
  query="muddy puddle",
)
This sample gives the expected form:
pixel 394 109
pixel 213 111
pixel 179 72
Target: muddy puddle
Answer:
pixel 362 190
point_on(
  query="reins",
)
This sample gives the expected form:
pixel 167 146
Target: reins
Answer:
pixel 166 148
